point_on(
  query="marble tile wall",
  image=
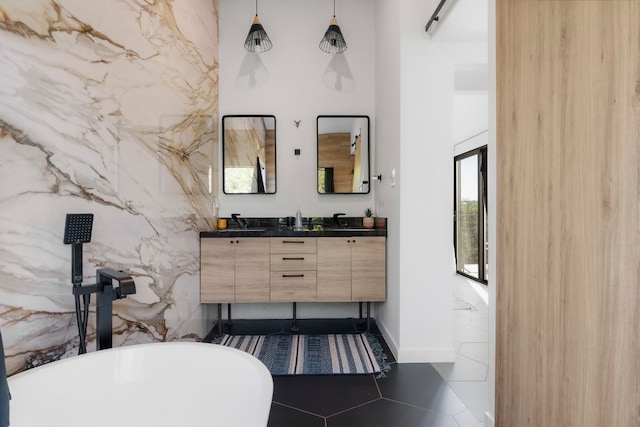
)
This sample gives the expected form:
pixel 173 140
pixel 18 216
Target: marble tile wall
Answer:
pixel 108 107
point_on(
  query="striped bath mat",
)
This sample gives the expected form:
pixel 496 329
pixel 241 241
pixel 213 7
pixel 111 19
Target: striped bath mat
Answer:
pixel 313 354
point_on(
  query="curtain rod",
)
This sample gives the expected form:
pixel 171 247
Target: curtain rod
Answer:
pixel 435 17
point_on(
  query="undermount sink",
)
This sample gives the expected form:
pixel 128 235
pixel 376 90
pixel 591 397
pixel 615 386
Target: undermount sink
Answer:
pixel 348 229
pixel 241 230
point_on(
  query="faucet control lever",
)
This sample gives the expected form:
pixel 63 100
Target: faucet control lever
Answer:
pixel 126 285
pixel 240 221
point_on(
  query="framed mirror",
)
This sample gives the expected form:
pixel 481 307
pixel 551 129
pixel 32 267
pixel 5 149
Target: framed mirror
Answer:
pixel 343 155
pixel 249 154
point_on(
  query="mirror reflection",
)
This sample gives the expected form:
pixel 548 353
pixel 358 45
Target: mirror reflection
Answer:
pixel 249 154
pixel 343 154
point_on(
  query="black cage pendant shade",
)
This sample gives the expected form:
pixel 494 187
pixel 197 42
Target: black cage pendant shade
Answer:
pixel 333 41
pixel 257 39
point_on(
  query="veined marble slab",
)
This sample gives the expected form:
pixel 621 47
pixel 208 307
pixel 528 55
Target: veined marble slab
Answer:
pixel 108 107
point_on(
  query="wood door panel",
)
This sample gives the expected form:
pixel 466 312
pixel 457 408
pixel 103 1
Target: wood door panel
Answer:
pixel 334 269
pixel 217 271
pixel 368 269
pixel 568 186
pixel 252 270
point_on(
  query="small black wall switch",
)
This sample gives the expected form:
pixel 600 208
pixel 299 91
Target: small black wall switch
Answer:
pixel 296 151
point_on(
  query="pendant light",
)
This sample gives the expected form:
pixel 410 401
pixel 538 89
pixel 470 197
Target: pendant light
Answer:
pixel 333 41
pixel 257 39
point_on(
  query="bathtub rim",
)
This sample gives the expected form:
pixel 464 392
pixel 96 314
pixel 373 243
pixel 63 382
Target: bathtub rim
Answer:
pixel 131 347
pixel 262 399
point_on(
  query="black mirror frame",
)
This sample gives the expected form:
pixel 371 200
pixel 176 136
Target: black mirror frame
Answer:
pixel 275 162
pixel 368 162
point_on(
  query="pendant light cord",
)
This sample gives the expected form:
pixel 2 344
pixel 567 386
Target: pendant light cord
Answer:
pixel 257 7
pixel 334 8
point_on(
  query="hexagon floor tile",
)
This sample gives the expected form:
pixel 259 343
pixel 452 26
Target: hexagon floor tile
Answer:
pixel 410 395
pixel 325 395
pixel 282 416
pixel 387 413
pixel 420 385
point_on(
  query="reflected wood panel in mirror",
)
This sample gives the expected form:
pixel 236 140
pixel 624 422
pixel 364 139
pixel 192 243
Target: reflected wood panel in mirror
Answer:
pixel 343 154
pixel 249 154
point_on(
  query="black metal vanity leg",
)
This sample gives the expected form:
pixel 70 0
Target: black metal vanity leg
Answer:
pixel 360 319
pixel 368 315
pixel 294 326
pixel 229 315
pixel 219 319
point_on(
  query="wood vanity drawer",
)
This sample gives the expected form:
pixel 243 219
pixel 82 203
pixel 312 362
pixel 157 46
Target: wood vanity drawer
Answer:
pixel 293 245
pixel 293 286
pixel 297 262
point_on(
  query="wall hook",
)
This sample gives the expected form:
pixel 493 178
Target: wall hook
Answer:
pixel 297 122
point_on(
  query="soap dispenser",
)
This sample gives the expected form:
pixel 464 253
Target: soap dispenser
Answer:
pixel 298 226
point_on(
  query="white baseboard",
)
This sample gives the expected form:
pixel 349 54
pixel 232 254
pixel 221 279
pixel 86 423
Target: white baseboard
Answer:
pixel 427 355
pixel 488 420
pixel 418 355
pixel 393 346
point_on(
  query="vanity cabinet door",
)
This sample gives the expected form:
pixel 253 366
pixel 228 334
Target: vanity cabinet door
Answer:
pixel 234 270
pixel 252 269
pixel 368 269
pixel 217 270
pixel 334 269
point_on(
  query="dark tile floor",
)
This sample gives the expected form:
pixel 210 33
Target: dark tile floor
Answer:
pixel 410 395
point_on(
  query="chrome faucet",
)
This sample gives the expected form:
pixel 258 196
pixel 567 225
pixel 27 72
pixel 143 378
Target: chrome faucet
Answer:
pixel 240 221
pixel 337 220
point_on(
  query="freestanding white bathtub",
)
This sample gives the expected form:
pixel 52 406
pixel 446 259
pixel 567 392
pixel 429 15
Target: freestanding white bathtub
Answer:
pixel 148 385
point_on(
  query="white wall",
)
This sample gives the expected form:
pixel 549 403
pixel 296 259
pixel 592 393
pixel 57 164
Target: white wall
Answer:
pixel 427 169
pixel 425 152
pixel 470 115
pixel 418 315
pixel 295 80
pixel 387 130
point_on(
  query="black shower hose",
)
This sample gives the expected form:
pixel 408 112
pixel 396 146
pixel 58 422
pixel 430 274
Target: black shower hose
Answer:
pixel 82 318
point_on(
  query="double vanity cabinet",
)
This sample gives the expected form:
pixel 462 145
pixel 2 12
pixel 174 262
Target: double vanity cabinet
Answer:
pixel 286 266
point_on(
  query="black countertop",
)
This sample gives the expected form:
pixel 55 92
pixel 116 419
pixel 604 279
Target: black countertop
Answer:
pixel 270 232
pixel 312 227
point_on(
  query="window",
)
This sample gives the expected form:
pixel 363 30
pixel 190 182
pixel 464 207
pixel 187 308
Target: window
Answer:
pixel 470 226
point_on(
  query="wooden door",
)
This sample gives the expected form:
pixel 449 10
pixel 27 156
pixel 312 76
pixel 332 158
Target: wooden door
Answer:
pixel 568 188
